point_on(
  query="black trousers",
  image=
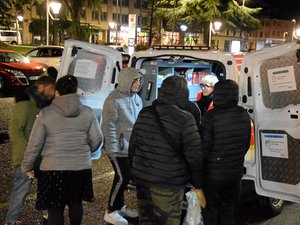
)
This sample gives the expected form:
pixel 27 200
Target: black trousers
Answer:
pixel 120 182
pixel 221 200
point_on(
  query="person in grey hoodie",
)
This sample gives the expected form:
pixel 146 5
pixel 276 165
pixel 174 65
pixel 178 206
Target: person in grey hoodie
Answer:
pixel 120 111
pixel 64 135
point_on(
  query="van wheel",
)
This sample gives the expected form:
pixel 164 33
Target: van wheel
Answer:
pixel 14 43
pixel 272 206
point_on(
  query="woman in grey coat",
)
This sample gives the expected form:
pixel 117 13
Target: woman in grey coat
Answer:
pixel 120 111
pixel 64 135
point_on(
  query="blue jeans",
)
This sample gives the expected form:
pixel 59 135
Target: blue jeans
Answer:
pixel 17 196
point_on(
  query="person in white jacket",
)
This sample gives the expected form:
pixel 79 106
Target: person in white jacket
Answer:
pixel 120 112
pixel 64 135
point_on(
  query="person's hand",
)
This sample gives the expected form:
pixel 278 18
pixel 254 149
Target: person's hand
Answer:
pixel 30 174
pixel 201 197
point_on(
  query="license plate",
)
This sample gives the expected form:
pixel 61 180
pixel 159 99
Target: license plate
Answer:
pixel 33 77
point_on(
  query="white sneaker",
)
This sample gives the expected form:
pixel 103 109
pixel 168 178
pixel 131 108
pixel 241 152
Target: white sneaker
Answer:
pixel 132 213
pixel 115 218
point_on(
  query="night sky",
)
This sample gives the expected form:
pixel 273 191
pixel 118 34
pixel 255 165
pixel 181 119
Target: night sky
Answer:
pixel 277 9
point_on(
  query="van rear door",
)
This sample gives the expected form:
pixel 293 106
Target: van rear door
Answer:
pixel 270 91
pixel 96 69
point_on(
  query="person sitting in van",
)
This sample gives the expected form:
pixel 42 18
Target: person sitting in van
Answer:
pixel 204 97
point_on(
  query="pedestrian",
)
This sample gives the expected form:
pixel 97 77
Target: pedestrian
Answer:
pixel 225 133
pixel 27 106
pixel 165 155
pixel 120 111
pixel 205 96
pixel 64 134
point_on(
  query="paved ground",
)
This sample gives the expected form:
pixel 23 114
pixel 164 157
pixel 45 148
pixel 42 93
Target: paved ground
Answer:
pixel 103 175
pixel 102 179
pixel 93 214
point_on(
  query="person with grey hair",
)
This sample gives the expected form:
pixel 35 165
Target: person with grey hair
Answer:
pixel 64 135
pixel 120 110
pixel 204 97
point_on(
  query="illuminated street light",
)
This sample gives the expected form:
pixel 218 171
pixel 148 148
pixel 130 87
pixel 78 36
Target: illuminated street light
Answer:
pixel 19 18
pixel 213 28
pixel 294 26
pixel 183 27
pixel 55 7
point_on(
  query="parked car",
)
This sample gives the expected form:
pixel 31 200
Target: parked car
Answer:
pixel 10 37
pixel 17 70
pixel 120 48
pixel 50 55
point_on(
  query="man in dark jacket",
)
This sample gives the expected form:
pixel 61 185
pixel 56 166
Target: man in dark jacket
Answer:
pixel 165 153
pixel 28 104
pixel 225 133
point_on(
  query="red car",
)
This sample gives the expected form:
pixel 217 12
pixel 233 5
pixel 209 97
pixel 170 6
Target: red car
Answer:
pixel 17 70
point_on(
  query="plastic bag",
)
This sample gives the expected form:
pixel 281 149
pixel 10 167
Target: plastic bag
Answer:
pixel 193 216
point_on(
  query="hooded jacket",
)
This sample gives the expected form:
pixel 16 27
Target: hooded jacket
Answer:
pixel 154 160
pixel 119 114
pixel 225 133
pixel 65 133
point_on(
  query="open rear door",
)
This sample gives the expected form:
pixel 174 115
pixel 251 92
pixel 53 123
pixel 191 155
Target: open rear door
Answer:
pixel 270 90
pixel 96 68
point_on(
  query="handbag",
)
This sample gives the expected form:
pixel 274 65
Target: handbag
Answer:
pixel 193 215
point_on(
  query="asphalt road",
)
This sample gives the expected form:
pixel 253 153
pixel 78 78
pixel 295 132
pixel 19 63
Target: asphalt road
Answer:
pixel 103 174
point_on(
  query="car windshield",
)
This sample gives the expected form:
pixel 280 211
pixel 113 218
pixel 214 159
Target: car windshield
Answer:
pixel 12 57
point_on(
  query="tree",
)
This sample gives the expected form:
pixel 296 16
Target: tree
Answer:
pixel 9 9
pixel 75 7
pixel 241 17
pixel 199 13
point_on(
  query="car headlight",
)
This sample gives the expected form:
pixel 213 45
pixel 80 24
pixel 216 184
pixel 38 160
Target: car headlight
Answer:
pixel 17 73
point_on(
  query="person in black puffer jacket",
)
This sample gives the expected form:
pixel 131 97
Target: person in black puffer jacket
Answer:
pixel 225 133
pixel 163 160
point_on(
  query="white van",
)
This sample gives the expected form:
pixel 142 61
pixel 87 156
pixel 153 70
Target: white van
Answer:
pixel 10 37
pixel 269 83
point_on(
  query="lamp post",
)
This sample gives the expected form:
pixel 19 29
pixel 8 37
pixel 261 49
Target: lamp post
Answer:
pixel 112 27
pixel 55 7
pixel 19 18
pixel 294 26
pixel 214 27
pixel 183 28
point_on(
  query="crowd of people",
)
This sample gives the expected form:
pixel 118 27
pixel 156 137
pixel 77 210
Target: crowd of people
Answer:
pixel 162 149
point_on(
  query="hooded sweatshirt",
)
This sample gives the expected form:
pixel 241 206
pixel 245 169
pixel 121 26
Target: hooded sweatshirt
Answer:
pixel 65 134
pixel 155 161
pixel 225 133
pixel 120 111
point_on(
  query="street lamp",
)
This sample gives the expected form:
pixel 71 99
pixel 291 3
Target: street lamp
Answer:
pixel 214 27
pixel 183 27
pixel 294 25
pixel 55 7
pixel 19 18
pixel 112 35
